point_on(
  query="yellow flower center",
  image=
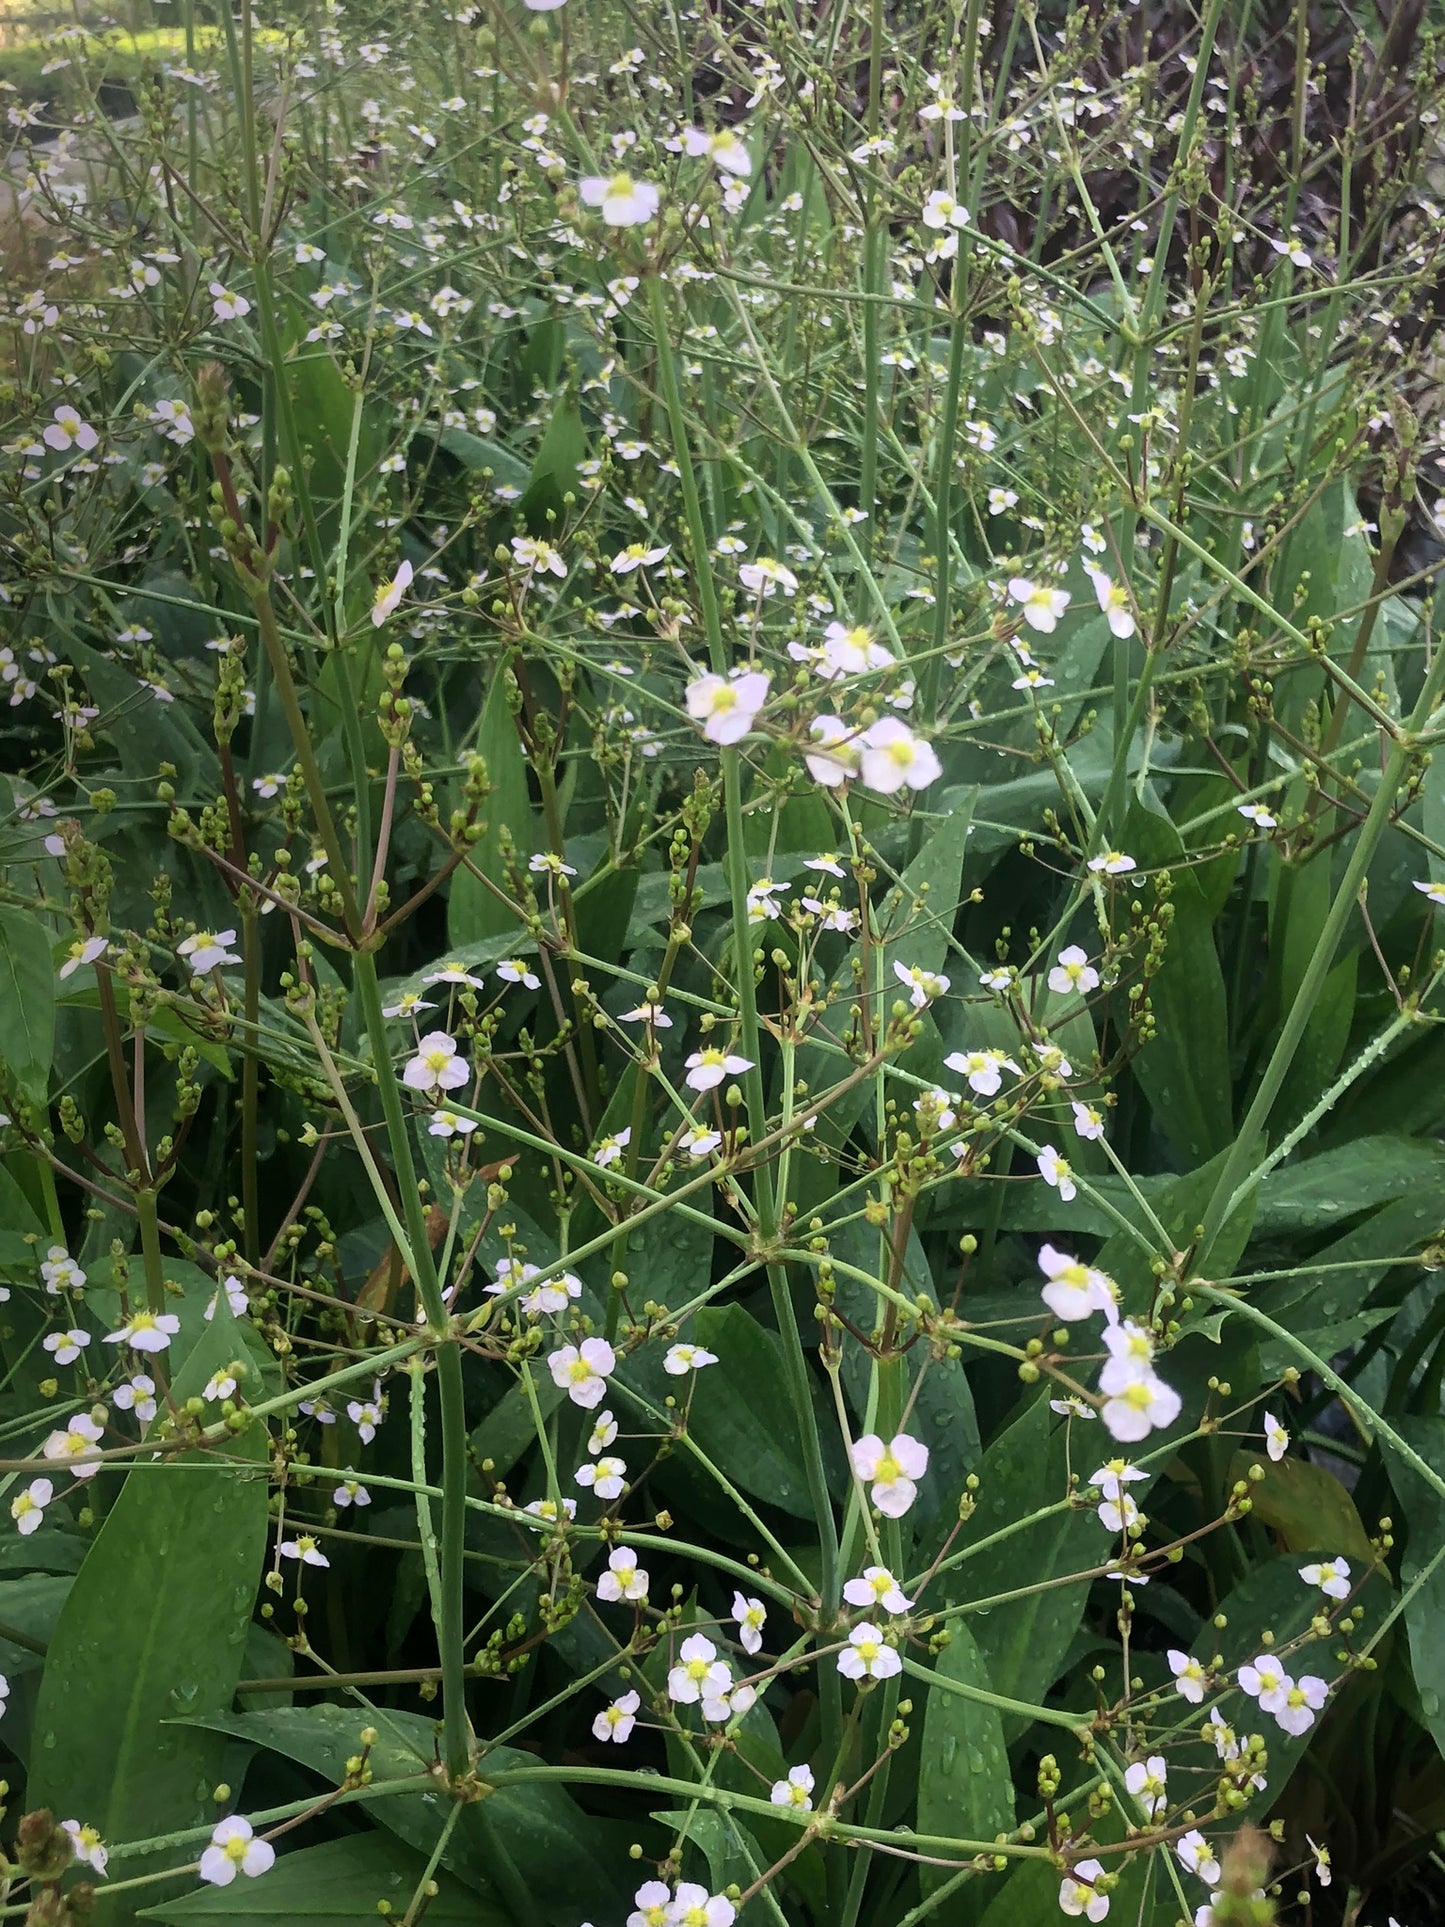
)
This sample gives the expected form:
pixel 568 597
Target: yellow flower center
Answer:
pixel 579 1371
pixel 888 1470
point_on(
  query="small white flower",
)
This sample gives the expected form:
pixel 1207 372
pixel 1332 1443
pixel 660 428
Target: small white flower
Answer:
pixel 1189 1676
pixel 1147 1781
pixel 436 1066
pixel 1331 1576
pixel 610 1149
pixel 892 1470
pixel 90 1850
pixel 624 202
pixel 706 1068
pixel 389 594
pixel 892 758
pixel 1077 1894
pixel 1042 606
pixel 27 1509
pixel 624 1579
pixel 1058 1172
pixel 795 1791
pixel 226 305
pixel 61 1272
pixel 868 1656
pixel 606 1476
pixel 1198 1856
pixel 146 1331
pixel 305 1549
pixel 1073 972
pixel 833 759
pixel 727 706
pixel 66 1345
pixel 82 952
pixel 233 1850
pixel 1088 1120
pixel 1075 1290
pixel 877 1588
pixel 350 1492
pixel 983 1069
pixel 1114 602
pixel 1276 1438
pixel 1303 1698
pixel 604 1431
pixel 1263 819
pixel 922 985
pixel 723 148
pixel 751 1616
pixel 582 1371
pixel 138 1395
pixel 1112 863
pixel 615 1722
pixel 206 952
pixel 679 1360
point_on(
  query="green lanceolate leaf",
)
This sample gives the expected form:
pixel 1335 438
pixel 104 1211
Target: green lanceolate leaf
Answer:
pixel 27 1002
pixel 154 1629
pixel 336 1884
pixel 965 1789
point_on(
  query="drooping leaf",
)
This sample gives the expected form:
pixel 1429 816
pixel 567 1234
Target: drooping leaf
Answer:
pixel 335 1884
pixel 965 1789
pixel 154 1629
pixel 27 1002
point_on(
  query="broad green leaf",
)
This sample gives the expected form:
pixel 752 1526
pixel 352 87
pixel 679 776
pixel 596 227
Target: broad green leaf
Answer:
pixel 965 1789
pixel 337 1884
pixel 27 1002
pixel 742 1413
pixel 154 1628
pixel 1305 1506
pixel 1423 1565
pixel 1184 1068
pixel 569 1861
pixel 475 452
pixel 554 472
pixel 1024 1473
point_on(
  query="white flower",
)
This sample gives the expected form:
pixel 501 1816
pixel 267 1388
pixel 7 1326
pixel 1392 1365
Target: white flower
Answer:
pixel 146 1331
pixel 795 1791
pixel 698 1143
pixel 1058 1172
pixel 1435 891
pixel 1147 1781
pixel 449 1124
pixel 448 973
pixel 1042 606
pixel 892 1470
pixel 389 594
pixel 234 1850
pixel 892 757
pixel 694 1906
pixel 1112 863
pixel 304 1548
pixel 765 577
pixel 228 306
pixel 727 706
pixel 1114 601
pixel 82 953
pixel 1088 1120
pixel 923 985
pixel 646 1013
pixel 1276 1438
pixel 760 904
pixel 206 952
pixel 436 1066
pixel 654 1905
pixel 682 1359
pixel 551 863
pixel 409 1003
pixel 89 1848
pixel 1142 1406
pixel 982 1068
pixel 532 553
pixel 68 431
pixel 624 1578
pixel 350 1492
pixel 1331 1576
pixel 1322 1861
pixel 637 555
pixel 1303 1698
pixel 751 1615
pixel 60 1271
pixel 610 1149
pixel 66 1345
pixel 550 1513
pixel 1073 972
pixel 624 201
pixel 1188 1676
pixel 699 1674
pixel 876 1588
pixel 27 1509
pixel 706 1068
pixel 604 1431
pixel 543 6
pixel 366 1415
pixel 615 1722
pixel 723 149
pixel 1262 819
pixel 514 970
pixel 834 759
pixel 138 1395
pixel 940 210
pixel 582 1371
pixel 1077 1895
pixel 868 1656
pixel 1198 1856
pixel 605 1476
pixel 1075 1290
